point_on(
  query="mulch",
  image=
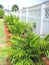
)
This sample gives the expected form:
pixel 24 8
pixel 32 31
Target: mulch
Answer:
pixel 45 60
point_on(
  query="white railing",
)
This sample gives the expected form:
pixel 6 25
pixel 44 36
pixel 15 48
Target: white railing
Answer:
pixel 38 14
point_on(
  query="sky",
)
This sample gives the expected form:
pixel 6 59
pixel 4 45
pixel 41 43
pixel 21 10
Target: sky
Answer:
pixel 21 3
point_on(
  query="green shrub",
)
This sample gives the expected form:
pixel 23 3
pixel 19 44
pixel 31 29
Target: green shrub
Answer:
pixel 1 13
pixel 17 26
pixel 27 47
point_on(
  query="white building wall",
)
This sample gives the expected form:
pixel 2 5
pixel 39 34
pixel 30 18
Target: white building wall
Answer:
pixel 38 14
pixel 46 21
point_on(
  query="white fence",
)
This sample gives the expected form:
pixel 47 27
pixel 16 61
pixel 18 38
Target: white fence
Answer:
pixel 38 14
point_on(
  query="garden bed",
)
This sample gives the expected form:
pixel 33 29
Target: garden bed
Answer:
pixel 27 47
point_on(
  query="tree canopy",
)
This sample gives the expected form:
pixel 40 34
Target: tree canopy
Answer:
pixel 1 6
pixel 14 8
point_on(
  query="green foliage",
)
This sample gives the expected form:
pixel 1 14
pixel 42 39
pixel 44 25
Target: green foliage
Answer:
pixel 32 47
pixel 1 13
pixel 47 40
pixel 15 8
pixel 16 26
pixel 1 6
pixel 27 47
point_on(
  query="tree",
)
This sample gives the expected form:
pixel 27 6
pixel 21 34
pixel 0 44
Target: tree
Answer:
pixel 1 7
pixel 15 8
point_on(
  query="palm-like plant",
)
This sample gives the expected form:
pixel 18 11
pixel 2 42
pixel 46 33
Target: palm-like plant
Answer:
pixel 15 8
pixel 27 47
pixel 1 6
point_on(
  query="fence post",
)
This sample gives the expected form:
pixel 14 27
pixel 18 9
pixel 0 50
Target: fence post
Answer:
pixel 42 18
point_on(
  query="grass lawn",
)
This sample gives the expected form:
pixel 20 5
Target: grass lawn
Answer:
pixel 2 44
pixel 1 31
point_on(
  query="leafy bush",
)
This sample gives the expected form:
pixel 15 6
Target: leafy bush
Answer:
pixel 27 47
pixel 1 13
pixel 17 26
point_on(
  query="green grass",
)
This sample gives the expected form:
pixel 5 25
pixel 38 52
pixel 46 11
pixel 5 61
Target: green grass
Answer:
pixel 1 28
pixel 2 43
pixel 1 31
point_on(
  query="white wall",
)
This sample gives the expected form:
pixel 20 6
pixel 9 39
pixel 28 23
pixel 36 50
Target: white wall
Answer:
pixel 38 14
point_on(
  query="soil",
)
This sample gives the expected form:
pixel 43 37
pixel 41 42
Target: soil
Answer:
pixel 45 60
pixel 7 35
